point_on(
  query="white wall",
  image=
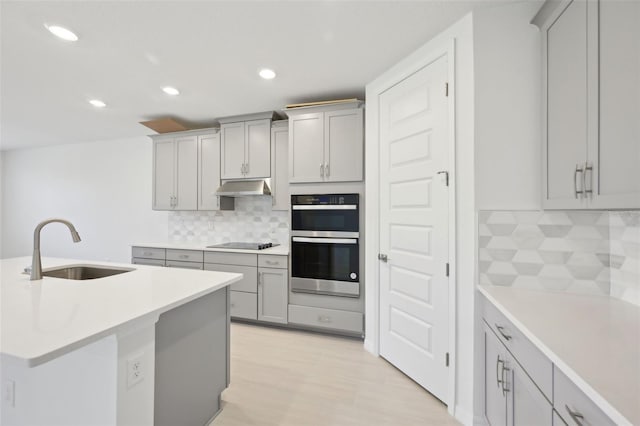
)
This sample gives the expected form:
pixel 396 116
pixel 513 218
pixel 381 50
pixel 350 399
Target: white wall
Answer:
pixel 462 33
pixel 103 188
pixel 508 96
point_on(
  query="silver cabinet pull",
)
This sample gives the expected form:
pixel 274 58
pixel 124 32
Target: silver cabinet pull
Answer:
pixel 575 416
pixel 322 170
pixel 242 168
pixel 588 190
pixel 246 168
pixel 326 169
pixel 383 257
pixel 184 256
pixel 578 194
pixel 504 381
pixel 499 375
pixel 259 278
pixel 501 331
pixel 271 262
pixel 324 318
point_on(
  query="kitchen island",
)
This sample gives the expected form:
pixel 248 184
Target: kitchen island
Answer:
pixel 103 351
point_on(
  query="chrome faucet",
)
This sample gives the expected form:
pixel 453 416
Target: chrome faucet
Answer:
pixel 36 264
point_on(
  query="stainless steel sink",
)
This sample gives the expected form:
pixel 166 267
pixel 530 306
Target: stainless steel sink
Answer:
pixel 84 272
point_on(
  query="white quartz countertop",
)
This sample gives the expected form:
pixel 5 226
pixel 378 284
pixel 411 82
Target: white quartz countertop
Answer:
pixel 278 250
pixel 44 319
pixel 593 340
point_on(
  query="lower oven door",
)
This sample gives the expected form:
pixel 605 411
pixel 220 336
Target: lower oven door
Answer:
pixel 325 266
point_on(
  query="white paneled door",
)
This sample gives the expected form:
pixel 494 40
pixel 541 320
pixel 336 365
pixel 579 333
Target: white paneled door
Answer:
pixel 414 331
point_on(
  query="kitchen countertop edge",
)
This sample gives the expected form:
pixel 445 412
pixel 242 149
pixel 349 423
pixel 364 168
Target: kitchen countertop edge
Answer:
pixel 280 250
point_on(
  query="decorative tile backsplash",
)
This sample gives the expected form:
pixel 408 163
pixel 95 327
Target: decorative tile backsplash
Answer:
pixel 596 252
pixel 251 221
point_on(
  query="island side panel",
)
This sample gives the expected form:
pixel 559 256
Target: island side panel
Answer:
pixel 192 349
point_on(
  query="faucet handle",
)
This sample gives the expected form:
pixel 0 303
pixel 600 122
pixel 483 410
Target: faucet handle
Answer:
pixel 27 270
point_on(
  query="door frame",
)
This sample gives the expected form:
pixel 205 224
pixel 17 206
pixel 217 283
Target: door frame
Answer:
pixel 372 214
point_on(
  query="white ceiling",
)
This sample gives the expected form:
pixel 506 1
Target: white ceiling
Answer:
pixel 210 50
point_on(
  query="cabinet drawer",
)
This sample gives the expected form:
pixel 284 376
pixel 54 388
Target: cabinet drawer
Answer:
pixel 244 305
pixel 272 261
pixel 249 281
pixel 149 253
pixel 534 362
pixel 231 258
pixel 185 255
pixel 151 262
pixel 567 396
pixel 326 318
pixel 184 265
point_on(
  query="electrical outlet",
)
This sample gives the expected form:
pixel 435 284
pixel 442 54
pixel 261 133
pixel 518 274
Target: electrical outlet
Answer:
pixel 135 370
pixel 9 392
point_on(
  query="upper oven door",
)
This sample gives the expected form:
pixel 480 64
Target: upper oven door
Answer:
pixel 324 218
pixel 320 214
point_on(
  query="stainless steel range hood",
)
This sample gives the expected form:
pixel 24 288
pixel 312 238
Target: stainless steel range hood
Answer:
pixel 244 188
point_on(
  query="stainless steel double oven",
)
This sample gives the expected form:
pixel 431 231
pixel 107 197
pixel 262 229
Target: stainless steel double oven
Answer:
pixel 325 244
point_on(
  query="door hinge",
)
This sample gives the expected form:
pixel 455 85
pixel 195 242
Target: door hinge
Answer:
pixel 446 360
pixel 447 269
pixel 446 89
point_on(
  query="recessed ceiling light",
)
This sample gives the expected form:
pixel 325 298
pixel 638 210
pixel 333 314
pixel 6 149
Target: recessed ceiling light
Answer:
pixel 267 74
pixel 61 32
pixel 97 103
pixel 171 91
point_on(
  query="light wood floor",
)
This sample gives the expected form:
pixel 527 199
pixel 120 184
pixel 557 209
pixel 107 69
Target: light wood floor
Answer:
pixel 285 377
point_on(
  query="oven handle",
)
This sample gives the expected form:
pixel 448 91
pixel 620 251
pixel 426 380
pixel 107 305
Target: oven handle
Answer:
pixel 325 240
pixel 324 207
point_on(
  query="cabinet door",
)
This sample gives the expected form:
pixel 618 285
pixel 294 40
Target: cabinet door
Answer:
pixel 208 172
pixel 272 295
pixel 566 106
pixel 343 145
pixel 163 174
pixel 306 148
pixel 527 406
pixel 616 176
pixel 186 195
pixel 258 148
pixel 280 168
pixel 232 150
pixel 495 402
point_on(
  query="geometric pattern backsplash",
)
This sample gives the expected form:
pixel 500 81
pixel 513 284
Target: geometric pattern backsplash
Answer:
pixel 251 221
pixel 591 252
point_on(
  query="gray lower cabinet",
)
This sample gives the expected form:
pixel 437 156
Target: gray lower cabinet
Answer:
pixel 148 256
pixel 511 397
pixel 573 406
pixel 332 319
pixel 261 295
pixel 244 297
pixel 273 294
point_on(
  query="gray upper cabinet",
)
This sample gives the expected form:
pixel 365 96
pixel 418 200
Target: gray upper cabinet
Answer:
pixel 175 173
pixel 279 165
pixel 209 174
pixel 591 58
pixel 326 143
pixel 186 171
pixel 246 147
pixel 617 168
